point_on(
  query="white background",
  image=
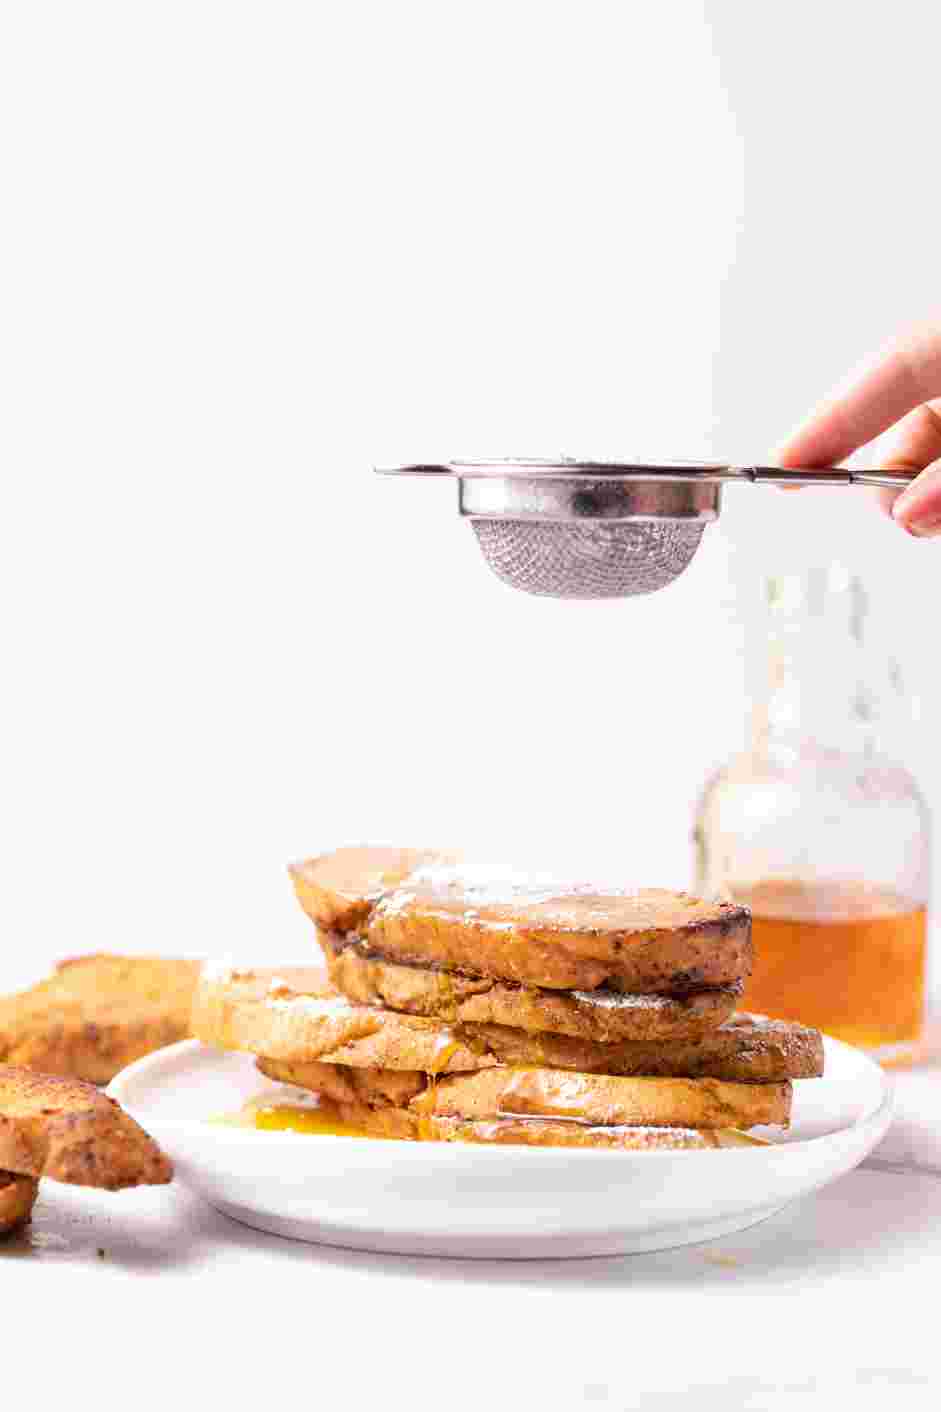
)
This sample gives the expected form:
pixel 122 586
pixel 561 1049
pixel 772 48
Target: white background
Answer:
pixel 249 250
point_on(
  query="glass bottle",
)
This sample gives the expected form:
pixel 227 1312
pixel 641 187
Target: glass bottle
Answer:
pixel 818 830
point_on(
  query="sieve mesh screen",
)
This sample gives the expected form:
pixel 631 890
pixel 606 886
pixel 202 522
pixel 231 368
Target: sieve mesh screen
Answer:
pixel 588 560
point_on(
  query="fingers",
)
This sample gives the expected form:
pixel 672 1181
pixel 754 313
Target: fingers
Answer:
pixel 872 399
pixel 918 509
pixel 916 446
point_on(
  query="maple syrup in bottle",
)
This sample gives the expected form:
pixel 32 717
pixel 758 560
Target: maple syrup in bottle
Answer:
pixel 820 832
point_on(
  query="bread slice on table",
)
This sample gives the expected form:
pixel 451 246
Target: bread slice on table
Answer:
pixel 17 1199
pixel 72 1132
pixel 602 1015
pixel 484 920
pixel 98 1013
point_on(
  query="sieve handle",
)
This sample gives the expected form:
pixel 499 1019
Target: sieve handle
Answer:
pixel 838 475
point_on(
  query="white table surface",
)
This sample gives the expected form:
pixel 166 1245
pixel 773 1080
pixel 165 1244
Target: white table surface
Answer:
pixel 148 1296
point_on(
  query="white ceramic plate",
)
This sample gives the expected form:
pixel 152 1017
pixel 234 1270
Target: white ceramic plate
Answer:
pixel 457 1199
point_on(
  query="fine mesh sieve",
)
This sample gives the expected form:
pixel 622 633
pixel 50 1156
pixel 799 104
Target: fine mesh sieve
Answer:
pixel 580 529
pixel 588 561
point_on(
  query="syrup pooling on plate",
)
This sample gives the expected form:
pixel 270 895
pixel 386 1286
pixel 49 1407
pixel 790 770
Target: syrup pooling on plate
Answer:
pixel 295 1119
pixel 303 1113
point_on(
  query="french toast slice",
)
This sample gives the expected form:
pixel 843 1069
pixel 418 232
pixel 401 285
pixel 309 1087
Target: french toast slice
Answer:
pixel 296 1017
pixel 748 1049
pixel 603 1015
pixel 17 1199
pixel 386 1104
pixel 527 1091
pixel 338 890
pixel 602 1099
pixel 69 1130
pixel 96 1014
pixel 424 909
pixel 478 921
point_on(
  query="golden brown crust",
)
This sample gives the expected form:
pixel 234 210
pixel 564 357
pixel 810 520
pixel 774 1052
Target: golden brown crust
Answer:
pixel 69 1130
pixel 601 1099
pixel 17 1199
pixel 649 941
pixel 747 1048
pixel 96 1014
pixel 338 890
pixel 604 1016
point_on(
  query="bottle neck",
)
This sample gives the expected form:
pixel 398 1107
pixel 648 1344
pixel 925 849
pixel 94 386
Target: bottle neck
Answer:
pixel 819 693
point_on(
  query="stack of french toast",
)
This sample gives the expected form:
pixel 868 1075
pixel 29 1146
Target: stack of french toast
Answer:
pixel 471 1003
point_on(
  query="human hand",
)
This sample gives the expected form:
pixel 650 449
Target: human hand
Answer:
pixel 901 386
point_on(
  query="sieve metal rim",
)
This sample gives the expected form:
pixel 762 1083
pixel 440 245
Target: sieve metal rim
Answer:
pixel 696 472
pixel 588 499
pixel 513 468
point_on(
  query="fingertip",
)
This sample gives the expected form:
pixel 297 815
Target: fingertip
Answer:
pixel 918 508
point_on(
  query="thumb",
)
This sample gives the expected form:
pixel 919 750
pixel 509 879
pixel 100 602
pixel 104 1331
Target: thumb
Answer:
pixel 918 508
